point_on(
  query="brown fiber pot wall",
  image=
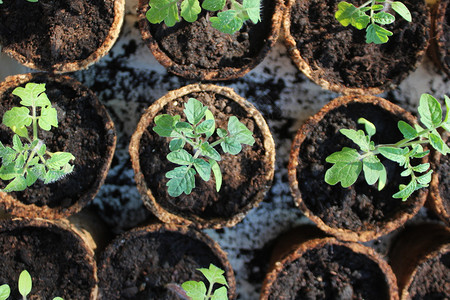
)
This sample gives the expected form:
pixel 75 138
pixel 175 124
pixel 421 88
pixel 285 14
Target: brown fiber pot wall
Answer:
pixel 140 263
pixel 440 33
pixel 247 176
pixel 57 256
pixel 360 212
pixel 213 43
pixel 58 34
pixel 84 129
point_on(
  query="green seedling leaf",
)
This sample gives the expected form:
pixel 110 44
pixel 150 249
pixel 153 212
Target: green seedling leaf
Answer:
pixel 203 168
pixel 425 179
pixel 402 10
pixel 430 111
pixel 346 169
pixel 210 152
pixel 368 126
pixel 180 157
pixel 195 111
pixel 252 8
pixel 372 168
pixel 182 179
pixel 377 34
pixel 30 94
pixel 217 173
pixel 421 168
pixel 209 116
pixel 59 159
pixel 446 122
pixel 16 119
pixel 7 154
pixel 205 126
pixel 240 132
pixel 221 132
pixel 395 154
pixel 405 173
pixel 345 12
pixel 31 178
pixel 213 5
pixel 190 10
pixel 8 172
pixel 406 191
pixel 383 18
pixel 358 137
pixel 214 274
pixel 165 125
pixel 230 145
pixel 5 291
pixel 163 10
pixel 437 143
pixel 227 21
pixel 407 130
pixel 220 294
pixel 176 144
pixel 377 7
pixel 17 143
pixel 58 298
pixel 18 184
pixel 195 289
pixel 48 118
pixel 54 175
pixel 20 161
pixel 25 283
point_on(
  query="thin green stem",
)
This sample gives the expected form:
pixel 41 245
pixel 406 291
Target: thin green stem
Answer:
pixel 208 295
pixel 34 118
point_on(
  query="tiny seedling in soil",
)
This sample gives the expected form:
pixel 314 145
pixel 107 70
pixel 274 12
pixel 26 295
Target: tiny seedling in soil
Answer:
pixel 228 21
pixel 25 163
pixel 24 285
pixel 196 290
pixel 196 132
pixel 348 163
pixel 371 16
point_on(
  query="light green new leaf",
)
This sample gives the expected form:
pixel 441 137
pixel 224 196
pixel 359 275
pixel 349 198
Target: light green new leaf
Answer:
pixel 221 132
pixel 180 157
pixel 42 149
pixel 346 154
pixel 38 170
pixel 407 130
pixel 394 154
pixel 252 7
pixel 217 173
pixel 220 294
pixel 205 126
pixel 383 18
pixel 58 160
pixel 425 179
pixel 54 175
pixel 196 290
pixel 227 21
pixel 176 144
pixel 345 12
pixel 182 179
pixel 210 116
pixel 16 118
pixel 30 93
pixel 58 298
pixel 346 168
pixel 5 290
pixel 377 34
pixel 25 283
pixel 48 118
pixel 214 5
pixel 240 132
pixel 17 143
pixel 402 10
pixel 437 143
pixel 209 151
pixel 214 274
pixel 194 111
pixel 231 145
pixel 430 111
pixel 163 10
pixel 368 126
pixel 376 7
pixel 446 123
pixel 203 168
pixel 372 168
pixel 358 137
pixel 421 168
pixel 190 10
pixel 406 191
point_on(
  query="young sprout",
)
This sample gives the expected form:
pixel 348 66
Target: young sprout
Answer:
pixel 196 290
pixel 25 163
pixel 228 21
pixel 372 15
pixel 348 163
pixel 24 285
pixel 200 126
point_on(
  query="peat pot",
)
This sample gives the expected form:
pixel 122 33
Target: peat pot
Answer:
pixel 440 42
pixel 84 129
pixel 60 36
pixel 247 176
pixel 360 212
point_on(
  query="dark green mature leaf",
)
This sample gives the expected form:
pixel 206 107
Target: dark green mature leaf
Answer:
pixel 383 18
pixel 18 184
pixel 240 132
pixel 182 179
pixel 165 125
pixel 16 118
pixel 252 8
pixel 368 126
pixel 176 144
pixel 394 154
pixel 213 5
pixel 163 10
pixel 406 191
pixel 346 168
pixel 217 173
pixel 377 34
pixel 402 10
pixel 48 118
pixel 203 168
pixel 196 290
pixel 430 111
pixel 190 10
pixel 180 157
pixel 227 21
pixel 358 137
pixel 220 294
pixel 209 151
pixel 194 111
pixel 407 130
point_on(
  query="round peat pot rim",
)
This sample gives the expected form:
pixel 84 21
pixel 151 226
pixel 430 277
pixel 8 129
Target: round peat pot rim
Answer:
pixel 146 194
pixel 61 226
pixel 318 77
pixel 379 229
pixel 317 243
pixel 190 232
pixel 14 206
pixel 214 74
pixel 101 51
pixel 437 43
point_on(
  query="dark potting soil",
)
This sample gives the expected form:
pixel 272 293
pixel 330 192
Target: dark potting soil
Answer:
pixel 342 53
pixel 445 37
pixel 443 169
pixel 81 131
pixel 331 272
pixel 51 32
pixel 432 279
pixel 359 206
pixel 55 260
pixel 204 47
pixel 243 174
pixel 143 266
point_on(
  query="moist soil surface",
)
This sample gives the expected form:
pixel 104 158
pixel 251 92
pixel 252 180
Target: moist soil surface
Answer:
pixel 81 131
pixel 359 206
pixel 51 32
pixel 243 174
pixel 331 272
pixel 342 53
pixel 54 258
pixel 141 268
pixel 200 45
pixel 432 279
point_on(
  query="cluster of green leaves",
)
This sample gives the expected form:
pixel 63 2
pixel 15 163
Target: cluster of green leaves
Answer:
pixel 228 21
pixel 348 163
pixel 373 12
pixel 24 284
pixel 199 128
pixel 196 290
pixel 25 163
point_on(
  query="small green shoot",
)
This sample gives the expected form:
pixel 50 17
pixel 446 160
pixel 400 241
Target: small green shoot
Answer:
pixel 196 290
pixel 25 163
pixel 348 163
pixel 199 128
pixel 24 284
pixel 228 21
pixel 371 16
